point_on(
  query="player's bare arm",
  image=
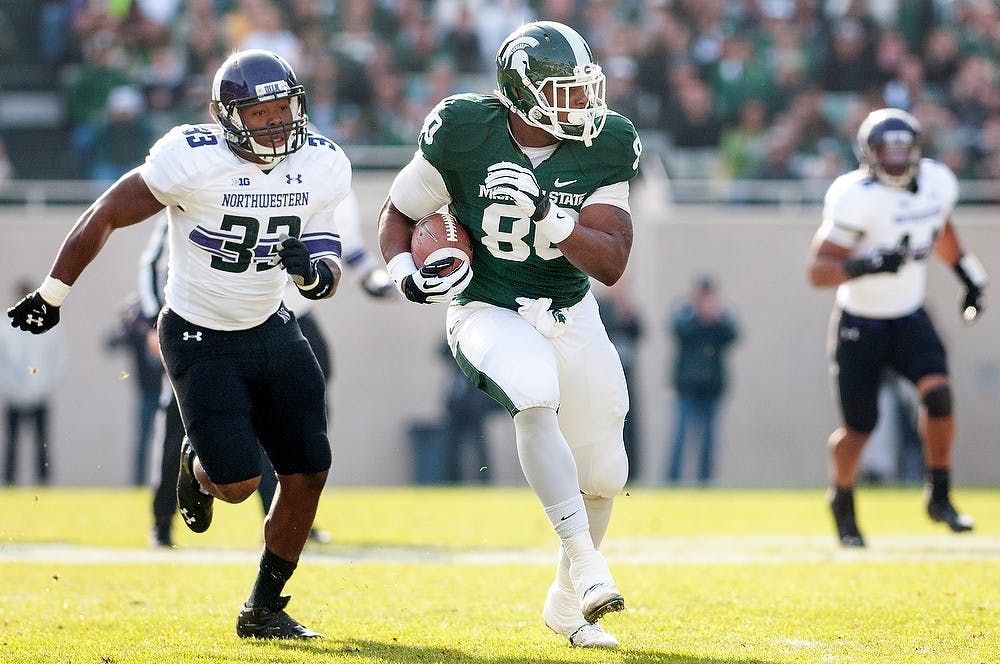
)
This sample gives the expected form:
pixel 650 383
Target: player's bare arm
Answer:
pixel 967 268
pixel 826 264
pixel 947 247
pixel 394 231
pixel 127 202
pixel 600 243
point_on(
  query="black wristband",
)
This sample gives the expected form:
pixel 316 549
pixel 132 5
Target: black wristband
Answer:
pixel 322 285
pixel 855 267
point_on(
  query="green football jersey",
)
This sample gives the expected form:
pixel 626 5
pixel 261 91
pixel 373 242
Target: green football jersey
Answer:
pixel 462 137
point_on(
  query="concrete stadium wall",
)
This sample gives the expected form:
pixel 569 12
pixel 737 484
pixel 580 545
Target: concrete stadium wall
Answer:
pixel 389 374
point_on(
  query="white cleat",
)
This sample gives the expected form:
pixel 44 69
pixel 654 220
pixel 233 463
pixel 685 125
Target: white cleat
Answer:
pixel 599 599
pixel 562 615
pixel 597 592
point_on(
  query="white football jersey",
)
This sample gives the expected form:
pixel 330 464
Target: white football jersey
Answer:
pixel 866 216
pixel 226 216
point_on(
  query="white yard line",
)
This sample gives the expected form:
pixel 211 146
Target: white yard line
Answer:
pixel 716 549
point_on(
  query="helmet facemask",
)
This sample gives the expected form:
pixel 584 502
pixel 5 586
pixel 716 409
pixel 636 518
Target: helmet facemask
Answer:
pixel 889 147
pixel 244 141
pixel 253 77
pixel 561 117
pixel 547 76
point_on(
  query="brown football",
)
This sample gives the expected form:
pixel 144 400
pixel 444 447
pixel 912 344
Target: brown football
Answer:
pixel 440 230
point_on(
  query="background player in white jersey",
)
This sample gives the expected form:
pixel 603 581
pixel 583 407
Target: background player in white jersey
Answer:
pixel 250 201
pixel 538 174
pixel 881 223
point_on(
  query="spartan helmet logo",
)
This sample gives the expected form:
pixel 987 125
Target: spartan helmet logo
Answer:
pixel 513 56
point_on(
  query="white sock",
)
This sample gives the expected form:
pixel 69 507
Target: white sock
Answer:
pixel 599 516
pixel 568 517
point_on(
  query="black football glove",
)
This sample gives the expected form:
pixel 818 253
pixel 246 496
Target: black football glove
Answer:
pixel 33 314
pixel 425 286
pixel 881 261
pixel 295 259
pixel 973 304
pixel 973 275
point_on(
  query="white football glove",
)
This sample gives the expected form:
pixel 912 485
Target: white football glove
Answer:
pixel 509 181
pixel 425 286
pixel 549 322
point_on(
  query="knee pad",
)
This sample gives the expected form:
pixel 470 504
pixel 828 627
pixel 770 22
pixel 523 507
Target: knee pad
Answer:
pixel 604 476
pixel 938 401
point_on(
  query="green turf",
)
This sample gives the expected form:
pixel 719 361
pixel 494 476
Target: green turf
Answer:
pixel 458 575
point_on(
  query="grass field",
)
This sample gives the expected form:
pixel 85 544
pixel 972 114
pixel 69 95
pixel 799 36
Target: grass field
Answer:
pixel 459 575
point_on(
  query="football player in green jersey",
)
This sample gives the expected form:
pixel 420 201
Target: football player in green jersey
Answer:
pixel 538 173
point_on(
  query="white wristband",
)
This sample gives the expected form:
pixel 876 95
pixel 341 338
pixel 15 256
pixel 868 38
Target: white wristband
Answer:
pixel 556 225
pixel 973 269
pixel 303 286
pixel 400 267
pixel 53 291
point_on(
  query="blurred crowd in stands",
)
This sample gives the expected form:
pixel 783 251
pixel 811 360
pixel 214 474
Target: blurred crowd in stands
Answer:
pixel 727 89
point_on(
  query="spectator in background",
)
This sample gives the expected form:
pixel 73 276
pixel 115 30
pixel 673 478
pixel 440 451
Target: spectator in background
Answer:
pixel 695 128
pixel 738 76
pixel 703 330
pixel 461 42
pixel 123 140
pixel 848 67
pixel 742 145
pixel 779 151
pixel 30 370
pixel 266 30
pixel 90 85
pixel 466 444
pixel 147 372
pixel 940 59
pixel 620 314
pixel 6 168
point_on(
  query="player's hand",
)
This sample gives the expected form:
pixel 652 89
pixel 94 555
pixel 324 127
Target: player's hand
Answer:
pixel 973 275
pixel 377 283
pixel 973 304
pixel 426 286
pixel 881 261
pixel 510 181
pixel 33 314
pixel 295 259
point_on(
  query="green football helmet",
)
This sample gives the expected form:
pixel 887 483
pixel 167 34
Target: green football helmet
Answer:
pixel 539 68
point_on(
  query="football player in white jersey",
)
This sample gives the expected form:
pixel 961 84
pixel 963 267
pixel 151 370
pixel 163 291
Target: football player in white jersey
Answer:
pixel 538 173
pixel 881 223
pixel 372 279
pixel 250 202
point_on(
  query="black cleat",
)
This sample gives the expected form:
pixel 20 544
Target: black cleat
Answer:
pixel 261 622
pixel 842 505
pixel 943 511
pixel 195 505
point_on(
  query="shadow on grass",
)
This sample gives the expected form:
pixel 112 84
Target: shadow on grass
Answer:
pixel 360 649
